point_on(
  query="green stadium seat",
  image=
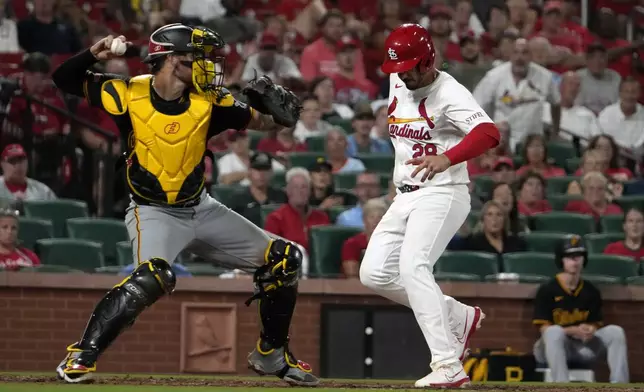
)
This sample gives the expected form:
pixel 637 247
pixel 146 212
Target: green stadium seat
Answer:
pixel 278 180
pixel 456 277
pixel 225 194
pixel 530 263
pixel 628 202
pixel 104 230
pixel 559 202
pixel 205 270
pixel 635 280
pixel 611 223
pixel 602 279
pixel 334 212
pixel 378 163
pixel 325 249
pixel 609 265
pixel 267 209
pixel 560 152
pixel 466 262
pixel 57 211
pixel 124 253
pixel 517 160
pixel 384 181
pixel 537 279
pixel 316 144
pixel 345 180
pixel 543 241
pixel 342 123
pixel 564 222
pixel 31 230
pixel 73 253
pixel 483 186
pixel 255 137
pixel 304 159
pixel 473 218
pixel 51 269
pixel 597 242
pixel 572 164
pixel 559 185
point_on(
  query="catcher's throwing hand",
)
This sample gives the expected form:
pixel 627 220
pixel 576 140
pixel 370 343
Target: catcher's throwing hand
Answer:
pixel 433 164
pixel 102 50
pixel 269 98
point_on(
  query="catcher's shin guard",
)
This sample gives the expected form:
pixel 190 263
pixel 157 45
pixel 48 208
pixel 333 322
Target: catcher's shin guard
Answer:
pixel 276 284
pixel 117 311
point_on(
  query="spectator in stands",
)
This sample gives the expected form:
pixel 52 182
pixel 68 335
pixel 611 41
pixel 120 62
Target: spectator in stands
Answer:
pixel 12 256
pixel 503 194
pixel 41 32
pixel 504 48
pixel 541 52
pixel 518 10
pixel 350 88
pixel 353 248
pixel 498 17
pixel 571 10
pixel 624 120
pixel 473 66
pixel 336 153
pixel 323 89
pixel 310 122
pixel 595 203
pixel 532 192
pixel 380 129
pixel 482 165
pixel 360 141
pixel 599 85
pixel 568 311
pixel 14 183
pixel 567 48
pixel 492 233
pixel 323 192
pixel 631 245
pixel 465 20
pixel 233 167
pixel 607 145
pixel 440 28
pixel 535 158
pixel 517 91
pixel 576 120
pixel 9 37
pixel 202 9
pixel 319 58
pixel 503 170
pixel 281 142
pixel 294 219
pixel 170 12
pixel 593 160
pixel 233 26
pixel 619 50
pixel 269 62
pixel 367 188
pixel 248 201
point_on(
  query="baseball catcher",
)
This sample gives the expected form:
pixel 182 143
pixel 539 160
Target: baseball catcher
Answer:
pixel 168 117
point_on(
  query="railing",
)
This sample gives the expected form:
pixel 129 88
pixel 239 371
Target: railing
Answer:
pixel 104 161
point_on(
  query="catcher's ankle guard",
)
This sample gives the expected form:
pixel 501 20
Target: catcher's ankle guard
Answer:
pixel 283 260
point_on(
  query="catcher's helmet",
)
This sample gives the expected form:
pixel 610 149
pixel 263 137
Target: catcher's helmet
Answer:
pixel 408 46
pixel 573 245
pixel 203 43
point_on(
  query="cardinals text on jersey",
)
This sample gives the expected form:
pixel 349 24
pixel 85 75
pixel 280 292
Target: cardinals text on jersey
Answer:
pixel 430 121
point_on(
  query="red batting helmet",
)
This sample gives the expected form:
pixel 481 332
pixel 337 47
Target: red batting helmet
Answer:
pixel 407 46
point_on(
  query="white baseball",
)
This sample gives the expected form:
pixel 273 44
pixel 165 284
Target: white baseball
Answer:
pixel 118 47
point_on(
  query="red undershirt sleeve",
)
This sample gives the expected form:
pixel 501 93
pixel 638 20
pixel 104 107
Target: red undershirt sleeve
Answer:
pixel 480 139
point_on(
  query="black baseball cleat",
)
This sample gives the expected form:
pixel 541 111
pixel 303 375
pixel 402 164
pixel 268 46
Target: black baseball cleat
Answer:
pixel 279 362
pixel 78 366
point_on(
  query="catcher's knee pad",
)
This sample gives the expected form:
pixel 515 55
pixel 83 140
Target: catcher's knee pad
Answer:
pixel 282 260
pixel 124 302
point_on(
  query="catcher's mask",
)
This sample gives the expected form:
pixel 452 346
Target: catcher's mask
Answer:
pixel 204 44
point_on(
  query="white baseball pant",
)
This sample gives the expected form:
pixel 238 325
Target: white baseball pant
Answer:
pixel 399 261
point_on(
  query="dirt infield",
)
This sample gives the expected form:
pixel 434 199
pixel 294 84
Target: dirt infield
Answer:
pixel 269 383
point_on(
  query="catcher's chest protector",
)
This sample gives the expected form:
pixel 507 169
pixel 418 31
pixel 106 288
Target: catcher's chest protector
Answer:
pixel 168 147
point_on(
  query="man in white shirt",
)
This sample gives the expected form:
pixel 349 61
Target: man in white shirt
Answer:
pixel 14 183
pixel 233 167
pixel 576 120
pixel 514 93
pixel 269 62
pixel 599 85
pixel 624 120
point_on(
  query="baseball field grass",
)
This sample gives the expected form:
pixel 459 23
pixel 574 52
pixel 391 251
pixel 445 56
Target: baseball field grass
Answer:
pixel 41 382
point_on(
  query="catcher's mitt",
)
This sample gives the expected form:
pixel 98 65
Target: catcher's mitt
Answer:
pixel 269 98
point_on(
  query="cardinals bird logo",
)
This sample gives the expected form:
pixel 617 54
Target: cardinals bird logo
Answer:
pixel 423 113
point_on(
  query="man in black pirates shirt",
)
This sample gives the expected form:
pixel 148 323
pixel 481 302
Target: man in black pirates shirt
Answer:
pixel 568 312
pixel 323 192
pixel 250 200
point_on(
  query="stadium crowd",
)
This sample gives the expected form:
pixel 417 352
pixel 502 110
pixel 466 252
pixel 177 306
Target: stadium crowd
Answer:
pixel 566 93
